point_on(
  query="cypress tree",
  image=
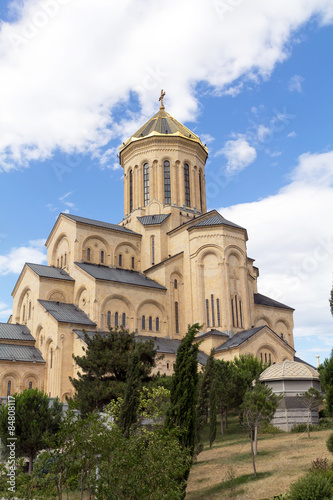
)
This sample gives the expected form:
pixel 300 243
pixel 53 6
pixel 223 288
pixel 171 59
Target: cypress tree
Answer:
pixel 204 396
pixel 212 413
pixel 129 410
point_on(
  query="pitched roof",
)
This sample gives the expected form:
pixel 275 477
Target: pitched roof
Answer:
pixel 149 220
pixel 97 223
pixel 213 332
pixel 119 275
pixel 267 301
pixel 216 220
pixel 66 313
pixel 239 338
pixel 289 370
pixel 9 331
pixel 13 352
pixel 163 261
pixel 50 272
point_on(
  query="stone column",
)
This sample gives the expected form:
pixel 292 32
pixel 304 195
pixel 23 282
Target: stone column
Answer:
pixel 246 310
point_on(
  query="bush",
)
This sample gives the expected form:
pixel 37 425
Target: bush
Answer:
pixel 329 443
pixel 326 423
pixel 270 429
pixel 313 486
pixel 303 428
pixel 320 465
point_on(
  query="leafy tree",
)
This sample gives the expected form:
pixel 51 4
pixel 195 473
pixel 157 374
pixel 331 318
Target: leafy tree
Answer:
pixel 34 421
pixel 311 399
pixel 212 414
pixel 204 396
pixel 129 410
pixel 331 301
pixel 258 408
pixel 228 383
pixel 326 380
pixel 183 397
pixel 103 368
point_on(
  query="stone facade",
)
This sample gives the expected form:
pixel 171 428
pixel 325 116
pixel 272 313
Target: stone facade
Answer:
pixel 167 264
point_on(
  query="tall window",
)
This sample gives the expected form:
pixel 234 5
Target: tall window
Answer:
pixel 133 263
pixel 65 259
pixel 29 311
pixel 88 254
pixel 176 317
pixel 108 319
pixel 157 324
pixel 213 310
pixel 116 319
pixel 218 312
pixel 207 311
pixel 236 311
pixel 152 250
pixel 200 190
pixel 131 190
pixel 233 312
pixel 9 385
pixel 62 263
pixel 120 260
pixel 240 314
pixel 187 185
pixel 150 323
pixel 143 323
pixel 24 313
pixel 102 257
pixel 175 284
pixel 146 183
pixel 51 357
pixel 167 185
pixel 30 385
pixel 124 320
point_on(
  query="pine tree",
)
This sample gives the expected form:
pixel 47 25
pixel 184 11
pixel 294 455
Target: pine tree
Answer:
pixel 212 413
pixel 331 301
pixel 129 410
pixel 204 396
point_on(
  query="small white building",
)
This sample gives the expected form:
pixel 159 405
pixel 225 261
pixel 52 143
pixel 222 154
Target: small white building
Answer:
pixel 291 378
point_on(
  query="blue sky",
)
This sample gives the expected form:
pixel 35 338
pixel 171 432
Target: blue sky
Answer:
pixel 253 80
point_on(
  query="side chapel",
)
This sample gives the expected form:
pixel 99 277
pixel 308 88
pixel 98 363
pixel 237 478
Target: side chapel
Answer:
pixel 167 264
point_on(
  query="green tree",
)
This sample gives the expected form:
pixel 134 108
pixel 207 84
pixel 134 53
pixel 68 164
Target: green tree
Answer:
pixel 331 301
pixel 130 406
pixel 212 413
pixel 204 396
pixel 258 408
pixel 35 419
pixel 103 368
pixel 311 399
pixel 326 380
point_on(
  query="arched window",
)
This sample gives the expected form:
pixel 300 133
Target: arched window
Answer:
pixel 213 310
pixel 30 385
pixel 152 250
pixel 131 190
pixel 116 321
pixel 282 336
pixel 120 260
pixel 168 366
pixel 200 189
pixel 61 262
pixel 175 284
pixel 88 254
pixel 157 324
pixel 24 313
pixel 57 262
pixel 133 262
pixel 176 317
pixel 143 323
pixel 9 386
pixel 207 311
pixel 65 258
pixel 51 357
pixel 150 323
pixel 29 311
pixel 102 257
pixel 187 185
pixel 167 184
pixel 240 314
pixel 108 319
pixel 124 320
pixel 146 183
pixel 270 358
pixel 218 312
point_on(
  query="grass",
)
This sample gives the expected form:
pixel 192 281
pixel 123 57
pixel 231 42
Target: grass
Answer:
pixel 225 470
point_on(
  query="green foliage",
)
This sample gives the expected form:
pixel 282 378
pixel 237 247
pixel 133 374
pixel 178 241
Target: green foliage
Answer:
pixel 268 428
pixel 103 368
pixel 34 421
pixel 183 396
pixel 329 443
pixel 213 414
pixel 250 366
pixel 129 410
pixel 313 486
pixel 205 386
pixel 259 406
pixel 320 465
pixel 300 428
pixel 331 301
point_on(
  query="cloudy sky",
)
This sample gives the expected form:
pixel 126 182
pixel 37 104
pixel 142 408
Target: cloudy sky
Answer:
pixel 253 79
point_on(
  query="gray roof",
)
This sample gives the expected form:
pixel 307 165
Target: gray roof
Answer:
pixel 14 352
pixel 92 222
pixel 119 275
pixel 149 220
pixel 66 313
pixel 214 332
pixel 50 272
pixel 266 301
pixel 15 332
pixel 216 220
pixel 163 261
pixel 239 338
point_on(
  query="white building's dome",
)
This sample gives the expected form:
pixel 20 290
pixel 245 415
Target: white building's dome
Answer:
pixel 289 370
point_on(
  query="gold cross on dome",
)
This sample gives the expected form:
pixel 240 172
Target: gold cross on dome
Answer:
pixel 161 98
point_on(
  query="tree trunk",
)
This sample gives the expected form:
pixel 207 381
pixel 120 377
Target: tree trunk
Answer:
pixel 255 448
pixel 226 420
pixel 252 454
pixel 221 422
pixel 308 426
pixel 31 461
pixel 82 481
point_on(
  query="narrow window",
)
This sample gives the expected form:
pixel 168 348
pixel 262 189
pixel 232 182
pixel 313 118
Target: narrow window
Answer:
pixel 61 262
pixel 240 314
pixel 270 358
pixel 131 189
pixel 167 185
pixel 65 257
pixel 108 320
pixel 120 260
pixel 265 357
pixel 57 262
pixel 176 317
pixel 261 356
pixel 236 310
pixel 168 366
pixel 157 324
pixel 187 185
pixel 218 312
pixel 232 312
pixel 143 323
pixel 51 357
pixel 9 385
pixel 150 323
pixel 200 190
pixel 24 313
pixel 123 319
pixel 282 336
pixel 175 284
pixel 116 319
pixel 207 311
pixel 30 385
pixel 29 312
pixel 133 263
pixel 146 183
pixel 88 253
pixel 102 257
pixel 213 311
pixel 152 250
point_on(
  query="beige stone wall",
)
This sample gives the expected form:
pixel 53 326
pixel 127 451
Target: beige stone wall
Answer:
pixel 20 374
pixel 278 319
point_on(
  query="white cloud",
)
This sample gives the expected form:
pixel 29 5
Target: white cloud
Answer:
pixel 60 92
pixel 239 155
pixel 5 312
pixel 292 134
pixel 263 133
pixel 14 261
pixel 291 238
pixel 295 83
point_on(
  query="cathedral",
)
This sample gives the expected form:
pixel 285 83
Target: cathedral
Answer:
pixel 169 263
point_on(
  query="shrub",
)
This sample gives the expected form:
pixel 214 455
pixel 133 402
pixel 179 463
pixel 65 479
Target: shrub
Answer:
pixel 312 487
pixel 320 465
pixel 329 443
pixel 302 428
pixel 270 429
pixel 326 423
